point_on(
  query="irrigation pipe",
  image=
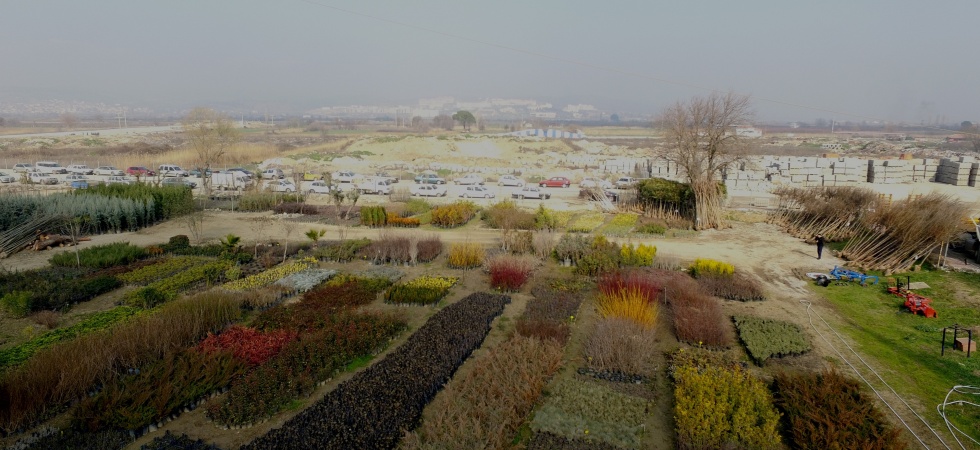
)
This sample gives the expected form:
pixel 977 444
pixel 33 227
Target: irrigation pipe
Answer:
pixel 941 408
pixel 810 315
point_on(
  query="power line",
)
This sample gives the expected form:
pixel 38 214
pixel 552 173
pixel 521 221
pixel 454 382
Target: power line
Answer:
pixel 599 67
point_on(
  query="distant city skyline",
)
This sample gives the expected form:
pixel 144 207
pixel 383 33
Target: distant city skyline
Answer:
pixel 898 61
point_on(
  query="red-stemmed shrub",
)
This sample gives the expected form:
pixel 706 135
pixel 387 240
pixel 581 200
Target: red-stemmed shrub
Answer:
pixel 643 282
pixel 248 344
pixel 508 272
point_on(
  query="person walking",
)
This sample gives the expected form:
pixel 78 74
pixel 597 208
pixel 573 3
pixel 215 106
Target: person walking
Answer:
pixel 820 240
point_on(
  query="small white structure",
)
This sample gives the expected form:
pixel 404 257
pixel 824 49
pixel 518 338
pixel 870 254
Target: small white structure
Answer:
pixel 749 132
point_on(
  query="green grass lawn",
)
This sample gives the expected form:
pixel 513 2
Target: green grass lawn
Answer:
pixel 905 348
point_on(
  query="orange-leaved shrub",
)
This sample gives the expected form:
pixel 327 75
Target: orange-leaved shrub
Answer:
pixel 454 214
pixel 465 255
pixel 829 410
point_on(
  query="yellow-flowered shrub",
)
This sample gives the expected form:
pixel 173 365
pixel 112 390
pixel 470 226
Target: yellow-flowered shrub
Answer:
pixel 723 407
pixel 640 256
pixel 425 290
pixel 703 266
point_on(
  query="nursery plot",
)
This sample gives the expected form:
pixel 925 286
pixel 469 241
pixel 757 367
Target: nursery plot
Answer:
pixel 828 410
pixel 721 405
pixel 270 276
pixel 485 408
pixel 424 290
pixel 586 411
pixel 586 223
pixel 768 338
pixel 375 407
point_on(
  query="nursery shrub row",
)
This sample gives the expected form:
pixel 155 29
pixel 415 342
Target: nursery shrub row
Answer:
pixel 703 266
pixel 320 303
pixel 485 408
pixel 375 407
pixel 465 255
pixel 166 202
pixel 54 290
pixel 769 338
pixel 721 406
pixel 587 222
pixel 158 390
pixel 342 251
pixel 395 220
pixel 101 256
pixel 246 344
pixel 167 289
pixel 171 441
pixel 620 225
pixel 620 346
pixel 312 358
pixel 424 290
pixel 162 269
pixel 506 215
pixel 269 276
pixel 65 371
pixel 577 409
pixel 698 318
pixel 374 216
pixel 403 249
pixel 97 321
pixel 828 410
pixel 548 314
pixel 305 280
pixel 738 287
pixel 454 214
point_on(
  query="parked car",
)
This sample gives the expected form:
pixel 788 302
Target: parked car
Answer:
pixel 172 170
pixel 23 167
pixel 468 179
pixel 344 176
pixel 375 185
pixel 317 187
pixel 80 169
pixel 625 182
pixel 429 177
pixel 4 178
pixel 270 174
pixel 140 171
pixel 231 181
pixel 74 177
pixel 119 180
pixel 477 192
pixel 111 171
pixel 242 170
pixel 312 176
pixel 595 182
pixel 281 186
pixel 556 182
pixel 429 190
pixel 79 184
pixel 387 176
pixel 197 172
pixel 50 167
pixel 41 178
pixel 510 180
pixel 531 192
pixel 178 181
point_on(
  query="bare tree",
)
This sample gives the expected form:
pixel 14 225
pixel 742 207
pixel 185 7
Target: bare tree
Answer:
pixel 289 228
pixel 258 226
pixel 75 227
pixel 701 139
pixel 69 120
pixel 211 135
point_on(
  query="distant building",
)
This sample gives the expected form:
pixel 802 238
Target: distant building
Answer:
pixel 547 133
pixel 749 132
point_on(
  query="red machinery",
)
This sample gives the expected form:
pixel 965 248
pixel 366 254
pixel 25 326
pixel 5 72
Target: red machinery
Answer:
pixel 916 303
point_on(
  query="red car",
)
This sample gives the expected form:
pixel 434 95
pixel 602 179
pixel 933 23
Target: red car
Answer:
pixel 140 171
pixel 556 182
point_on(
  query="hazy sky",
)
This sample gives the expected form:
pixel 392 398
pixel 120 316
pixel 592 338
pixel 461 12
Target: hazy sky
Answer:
pixel 905 60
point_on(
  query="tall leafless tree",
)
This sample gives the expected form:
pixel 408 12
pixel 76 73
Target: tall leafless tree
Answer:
pixel 211 135
pixel 701 140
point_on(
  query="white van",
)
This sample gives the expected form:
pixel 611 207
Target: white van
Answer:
pixel 50 167
pixel 172 170
pixel 273 174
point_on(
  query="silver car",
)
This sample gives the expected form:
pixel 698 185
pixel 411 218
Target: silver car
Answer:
pixel 477 192
pixel 111 171
pixel 5 178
